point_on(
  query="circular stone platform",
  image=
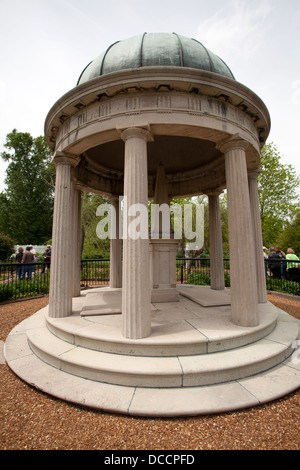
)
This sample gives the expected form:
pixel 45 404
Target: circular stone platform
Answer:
pixel 194 362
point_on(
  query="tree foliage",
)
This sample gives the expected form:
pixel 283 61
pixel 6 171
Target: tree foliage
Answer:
pixel 91 245
pixel 290 237
pixel 203 200
pixel 277 187
pixel 6 247
pixel 26 206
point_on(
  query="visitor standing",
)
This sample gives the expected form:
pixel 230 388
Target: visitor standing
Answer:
pixel 274 263
pixel 19 257
pixel 282 262
pixel 27 261
pixel 32 250
pixel 293 269
pixel 46 258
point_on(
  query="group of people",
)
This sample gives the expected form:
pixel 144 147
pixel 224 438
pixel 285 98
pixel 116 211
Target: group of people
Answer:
pixel 25 261
pixel 282 265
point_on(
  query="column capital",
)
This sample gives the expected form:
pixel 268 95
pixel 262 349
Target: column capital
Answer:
pixel 113 198
pixel 65 159
pixel 214 192
pixel 254 174
pixel 234 142
pixel 132 132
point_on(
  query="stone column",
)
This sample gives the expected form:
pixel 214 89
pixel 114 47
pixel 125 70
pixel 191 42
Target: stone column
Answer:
pixel 216 244
pixel 136 275
pixel 244 298
pixel 62 265
pixel 115 247
pixel 257 233
pixel 76 214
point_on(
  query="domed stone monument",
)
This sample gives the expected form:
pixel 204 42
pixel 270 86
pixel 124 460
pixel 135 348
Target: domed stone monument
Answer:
pixel 158 116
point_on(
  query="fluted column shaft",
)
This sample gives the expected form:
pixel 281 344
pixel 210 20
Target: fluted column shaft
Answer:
pixel 257 233
pixel 62 264
pixel 115 247
pixel 76 214
pixel 244 298
pixel 136 273
pixel 215 243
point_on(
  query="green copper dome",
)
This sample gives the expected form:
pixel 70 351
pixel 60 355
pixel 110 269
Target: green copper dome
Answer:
pixel 154 50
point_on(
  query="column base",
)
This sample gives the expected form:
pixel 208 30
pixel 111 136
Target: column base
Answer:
pixel 164 295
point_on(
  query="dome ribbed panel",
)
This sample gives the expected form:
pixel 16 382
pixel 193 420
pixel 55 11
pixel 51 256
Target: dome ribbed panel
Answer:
pixel 93 70
pixel 123 55
pixel 195 55
pixel 161 49
pixel 155 50
pixel 219 66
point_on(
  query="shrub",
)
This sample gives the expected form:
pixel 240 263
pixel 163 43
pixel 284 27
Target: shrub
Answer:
pixel 18 289
pixel 199 278
pixel 282 285
pixel 7 247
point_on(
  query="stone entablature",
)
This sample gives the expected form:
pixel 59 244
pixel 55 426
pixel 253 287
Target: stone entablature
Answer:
pixel 231 119
pixel 161 89
pixel 191 104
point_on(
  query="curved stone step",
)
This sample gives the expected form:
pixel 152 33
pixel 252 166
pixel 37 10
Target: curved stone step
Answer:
pixel 168 372
pixel 158 402
pixel 150 402
pixel 187 335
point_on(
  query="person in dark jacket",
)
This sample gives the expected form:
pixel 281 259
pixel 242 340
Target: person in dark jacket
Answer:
pixel 19 257
pixel 274 263
pixel 282 262
pixel 46 258
pixel 27 261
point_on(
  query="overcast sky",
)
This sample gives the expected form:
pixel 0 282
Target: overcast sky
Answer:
pixel 45 44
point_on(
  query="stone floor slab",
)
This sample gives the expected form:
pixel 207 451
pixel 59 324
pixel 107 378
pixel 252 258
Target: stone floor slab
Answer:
pixel 205 296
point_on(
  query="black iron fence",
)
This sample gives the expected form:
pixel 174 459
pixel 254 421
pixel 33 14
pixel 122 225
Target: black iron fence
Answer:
pixel 197 271
pixel 19 281
pixel 94 272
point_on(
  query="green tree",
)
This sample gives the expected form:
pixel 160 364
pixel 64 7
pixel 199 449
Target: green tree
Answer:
pixel 181 202
pixel 7 247
pixel 290 238
pixel 224 224
pixel 26 206
pixel 277 187
pixel 91 245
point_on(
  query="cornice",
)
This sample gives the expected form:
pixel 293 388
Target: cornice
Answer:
pixel 159 79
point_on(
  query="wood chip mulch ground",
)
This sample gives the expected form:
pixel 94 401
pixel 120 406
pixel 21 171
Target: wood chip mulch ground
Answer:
pixel 35 421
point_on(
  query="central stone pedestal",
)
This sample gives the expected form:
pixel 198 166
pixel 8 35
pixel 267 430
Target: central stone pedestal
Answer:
pixel 163 270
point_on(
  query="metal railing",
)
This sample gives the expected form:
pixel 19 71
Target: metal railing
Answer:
pixel 283 276
pixel 197 271
pixel 94 272
pixel 18 281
